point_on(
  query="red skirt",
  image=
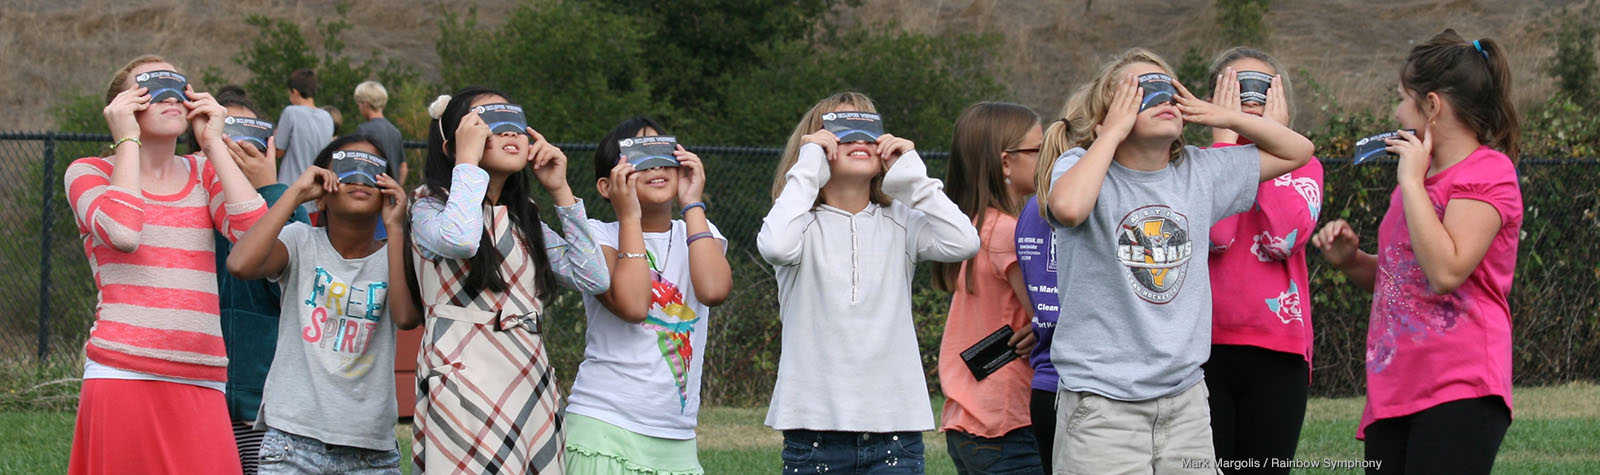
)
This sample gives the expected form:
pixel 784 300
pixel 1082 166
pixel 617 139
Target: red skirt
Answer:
pixel 134 426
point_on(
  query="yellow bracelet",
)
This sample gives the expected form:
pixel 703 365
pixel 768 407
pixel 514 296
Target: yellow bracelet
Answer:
pixel 124 140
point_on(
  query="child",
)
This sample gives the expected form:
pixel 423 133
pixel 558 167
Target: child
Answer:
pixel 637 394
pixel 1261 304
pixel 249 308
pixel 849 222
pixel 1439 342
pixel 1036 257
pixel 153 379
pixel 986 423
pixel 486 394
pixel 1131 205
pixel 326 407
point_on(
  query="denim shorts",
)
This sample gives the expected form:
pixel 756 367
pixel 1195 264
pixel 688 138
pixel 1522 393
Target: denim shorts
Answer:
pixel 285 453
pixel 808 452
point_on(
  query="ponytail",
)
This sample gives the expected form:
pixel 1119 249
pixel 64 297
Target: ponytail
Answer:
pixel 1475 77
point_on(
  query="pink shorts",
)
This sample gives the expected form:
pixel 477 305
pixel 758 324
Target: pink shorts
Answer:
pixel 133 426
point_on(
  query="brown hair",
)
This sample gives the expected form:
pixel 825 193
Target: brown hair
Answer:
pixel 1085 109
pixel 120 79
pixel 812 122
pixel 304 81
pixel 975 179
pixel 1240 52
pixel 1475 77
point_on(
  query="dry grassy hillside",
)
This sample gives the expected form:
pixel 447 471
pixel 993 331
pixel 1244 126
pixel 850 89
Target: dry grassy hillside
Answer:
pixel 52 46
pixel 1353 47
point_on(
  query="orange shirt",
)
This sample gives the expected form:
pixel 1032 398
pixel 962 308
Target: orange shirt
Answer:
pixel 998 404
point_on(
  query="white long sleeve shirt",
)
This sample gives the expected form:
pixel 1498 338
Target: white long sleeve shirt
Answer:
pixel 850 360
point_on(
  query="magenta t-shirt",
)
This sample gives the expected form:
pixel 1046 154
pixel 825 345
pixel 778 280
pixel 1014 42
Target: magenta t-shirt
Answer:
pixel 1424 349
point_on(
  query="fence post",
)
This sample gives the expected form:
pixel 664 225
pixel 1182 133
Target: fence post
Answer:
pixel 47 189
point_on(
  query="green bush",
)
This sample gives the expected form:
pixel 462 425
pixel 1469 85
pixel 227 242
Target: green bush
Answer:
pixel 1574 65
pixel 1241 21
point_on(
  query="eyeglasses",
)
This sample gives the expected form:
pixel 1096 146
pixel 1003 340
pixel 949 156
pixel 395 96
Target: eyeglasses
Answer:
pixel 1023 150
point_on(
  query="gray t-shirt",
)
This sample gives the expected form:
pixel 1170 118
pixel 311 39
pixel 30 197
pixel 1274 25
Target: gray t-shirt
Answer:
pixel 302 132
pixel 1135 319
pixel 389 142
pixel 332 376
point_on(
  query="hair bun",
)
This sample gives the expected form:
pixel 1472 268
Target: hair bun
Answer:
pixel 436 109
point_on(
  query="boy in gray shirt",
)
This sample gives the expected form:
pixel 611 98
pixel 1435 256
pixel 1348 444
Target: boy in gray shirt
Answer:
pixel 303 129
pixel 1132 212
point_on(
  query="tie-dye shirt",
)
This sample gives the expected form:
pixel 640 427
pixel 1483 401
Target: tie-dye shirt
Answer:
pixel 645 377
pixel 1425 349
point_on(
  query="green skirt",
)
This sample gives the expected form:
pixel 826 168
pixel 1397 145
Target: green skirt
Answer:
pixel 597 447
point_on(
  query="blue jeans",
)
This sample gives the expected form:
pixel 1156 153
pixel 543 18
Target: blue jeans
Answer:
pixel 282 452
pixel 808 452
pixel 1016 453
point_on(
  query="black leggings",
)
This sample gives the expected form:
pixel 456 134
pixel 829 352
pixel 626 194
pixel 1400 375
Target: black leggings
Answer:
pixel 1258 402
pixel 1458 437
pixel 1043 407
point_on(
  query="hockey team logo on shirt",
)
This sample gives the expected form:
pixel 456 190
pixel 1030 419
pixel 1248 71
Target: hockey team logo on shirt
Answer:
pixel 1153 243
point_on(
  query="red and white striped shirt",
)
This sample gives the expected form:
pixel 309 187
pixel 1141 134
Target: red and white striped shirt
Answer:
pixel 154 265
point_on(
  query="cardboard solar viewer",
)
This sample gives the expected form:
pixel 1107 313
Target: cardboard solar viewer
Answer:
pixel 989 354
pixel 854 126
pixel 248 131
pixel 163 85
pixel 357 167
pixel 503 118
pixel 1374 147
pixel 1253 86
pixel 652 151
pixel 1158 90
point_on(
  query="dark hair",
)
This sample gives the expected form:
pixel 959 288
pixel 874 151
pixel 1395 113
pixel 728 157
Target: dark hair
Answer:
pixel 227 96
pixel 234 96
pixel 1475 77
pixel 304 81
pixel 325 157
pixel 517 195
pixel 607 152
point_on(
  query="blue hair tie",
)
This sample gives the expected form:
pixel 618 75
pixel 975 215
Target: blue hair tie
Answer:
pixel 1479 46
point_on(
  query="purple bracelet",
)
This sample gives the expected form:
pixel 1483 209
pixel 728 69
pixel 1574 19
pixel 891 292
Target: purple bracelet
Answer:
pixel 697 236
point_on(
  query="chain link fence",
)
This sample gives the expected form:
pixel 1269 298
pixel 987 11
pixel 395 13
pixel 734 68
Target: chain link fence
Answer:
pixel 47 299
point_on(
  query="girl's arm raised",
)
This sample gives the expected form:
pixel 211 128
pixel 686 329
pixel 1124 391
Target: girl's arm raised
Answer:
pixel 943 233
pixel 1449 250
pixel 708 263
pixel 628 296
pixel 105 193
pixel 1073 194
pixel 452 228
pixel 402 311
pixel 575 259
pixel 259 253
pixel 206 117
pixel 780 239
pixel 1282 149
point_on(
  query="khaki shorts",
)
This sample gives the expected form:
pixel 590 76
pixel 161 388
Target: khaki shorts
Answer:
pixel 1170 435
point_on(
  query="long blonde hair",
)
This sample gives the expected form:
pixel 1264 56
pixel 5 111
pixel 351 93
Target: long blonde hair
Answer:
pixel 975 179
pixel 120 79
pixel 1084 110
pixel 812 122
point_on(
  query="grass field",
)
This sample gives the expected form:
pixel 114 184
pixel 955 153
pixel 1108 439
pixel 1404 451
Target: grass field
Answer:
pixel 1555 432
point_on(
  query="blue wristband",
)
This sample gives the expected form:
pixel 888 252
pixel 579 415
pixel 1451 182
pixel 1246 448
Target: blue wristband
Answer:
pixel 697 204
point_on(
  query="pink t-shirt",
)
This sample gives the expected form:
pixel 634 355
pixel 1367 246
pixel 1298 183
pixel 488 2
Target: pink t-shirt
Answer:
pixel 1424 349
pixel 1259 284
pixel 998 404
